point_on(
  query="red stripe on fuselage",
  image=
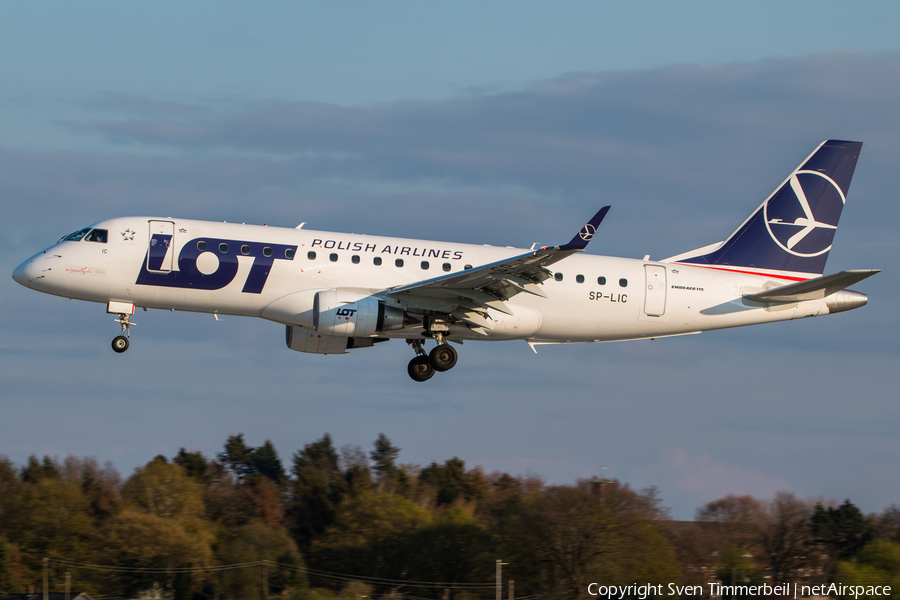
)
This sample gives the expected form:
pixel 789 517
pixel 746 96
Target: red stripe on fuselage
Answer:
pixel 788 277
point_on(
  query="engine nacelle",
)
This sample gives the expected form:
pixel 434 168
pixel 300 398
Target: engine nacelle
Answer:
pixel 343 313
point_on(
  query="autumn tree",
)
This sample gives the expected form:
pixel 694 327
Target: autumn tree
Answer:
pixel 786 534
pixel 569 536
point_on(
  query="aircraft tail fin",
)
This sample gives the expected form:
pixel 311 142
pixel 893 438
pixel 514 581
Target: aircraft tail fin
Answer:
pixel 793 229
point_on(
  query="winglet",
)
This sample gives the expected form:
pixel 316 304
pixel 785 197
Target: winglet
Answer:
pixel 581 239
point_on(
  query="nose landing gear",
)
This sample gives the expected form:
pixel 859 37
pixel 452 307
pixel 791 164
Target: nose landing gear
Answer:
pixel 120 342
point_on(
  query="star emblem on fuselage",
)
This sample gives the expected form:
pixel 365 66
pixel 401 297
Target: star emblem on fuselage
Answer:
pixel 128 234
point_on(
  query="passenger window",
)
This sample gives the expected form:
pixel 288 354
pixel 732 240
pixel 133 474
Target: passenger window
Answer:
pixel 601 280
pixel 377 261
pixel 245 249
pixel 201 246
pixel 425 265
pixel 97 235
pixel 623 282
pixel 467 267
pixel 355 259
pixel 579 278
pixel 558 277
pixel 333 257
pixel 399 262
pixel 311 255
pixel 267 251
pixel 223 248
pixel 289 253
pixel 446 266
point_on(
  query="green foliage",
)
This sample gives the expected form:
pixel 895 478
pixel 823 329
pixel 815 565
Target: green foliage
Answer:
pixel 356 590
pixel 134 538
pixel 566 537
pixel 7 578
pixel 843 530
pixel 246 462
pixel 384 456
pixel 314 594
pixel 316 489
pixel 370 535
pixel 454 547
pixel 255 542
pixel 195 466
pixel 452 482
pixel 876 564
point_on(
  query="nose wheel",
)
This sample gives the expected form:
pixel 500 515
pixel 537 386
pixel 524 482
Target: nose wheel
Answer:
pixel 120 342
pixel 442 357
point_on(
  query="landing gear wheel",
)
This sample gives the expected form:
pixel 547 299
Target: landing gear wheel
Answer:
pixel 443 357
pixel 120 343
pixel 420 369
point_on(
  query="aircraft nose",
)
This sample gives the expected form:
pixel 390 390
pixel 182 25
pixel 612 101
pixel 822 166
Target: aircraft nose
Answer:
pixel 21 274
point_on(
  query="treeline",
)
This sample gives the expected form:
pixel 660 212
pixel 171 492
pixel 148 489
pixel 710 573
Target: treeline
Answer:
pixel 345 523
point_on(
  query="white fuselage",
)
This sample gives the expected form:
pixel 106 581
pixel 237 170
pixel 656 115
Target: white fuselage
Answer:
pixel 598 298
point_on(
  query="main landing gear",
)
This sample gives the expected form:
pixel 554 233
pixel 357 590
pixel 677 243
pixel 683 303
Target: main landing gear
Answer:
pixel 120 342
pixel 441 358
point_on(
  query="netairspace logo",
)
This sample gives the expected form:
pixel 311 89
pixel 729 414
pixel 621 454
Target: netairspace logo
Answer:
pixel 642 592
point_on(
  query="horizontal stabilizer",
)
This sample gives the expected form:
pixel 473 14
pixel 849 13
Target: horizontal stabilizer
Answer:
pixel 812 289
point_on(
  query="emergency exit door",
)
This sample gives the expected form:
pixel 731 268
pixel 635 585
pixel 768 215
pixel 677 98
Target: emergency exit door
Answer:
pixel 654 290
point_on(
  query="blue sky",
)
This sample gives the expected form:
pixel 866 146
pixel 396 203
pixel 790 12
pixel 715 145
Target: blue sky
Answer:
pixel 506 123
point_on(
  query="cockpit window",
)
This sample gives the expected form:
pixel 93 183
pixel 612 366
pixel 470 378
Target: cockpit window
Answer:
pixel 74 237
pixel 97 235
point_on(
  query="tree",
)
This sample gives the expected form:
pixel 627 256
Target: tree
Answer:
pixel 138 539
pixel 370 536
pixel 385 456
pixel 236 456
pixel 316 489
pixel 739 520
pixel 568 536
pixel 886 526
pixel 265 462
pixel 876 564
pixel 454 547
pixel 449 480
pixel 786 534
pixel 842 530
pixel 8 584
pixel 195 466
pixel 256 542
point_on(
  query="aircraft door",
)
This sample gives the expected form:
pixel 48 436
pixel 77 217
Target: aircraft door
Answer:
pixel 654 290
pixel 161 251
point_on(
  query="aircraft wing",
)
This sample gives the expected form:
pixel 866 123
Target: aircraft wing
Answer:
pixel 811 289
pixel 467 295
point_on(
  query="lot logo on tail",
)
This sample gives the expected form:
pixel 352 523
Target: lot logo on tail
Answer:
pixel 799 228
pixel 587 232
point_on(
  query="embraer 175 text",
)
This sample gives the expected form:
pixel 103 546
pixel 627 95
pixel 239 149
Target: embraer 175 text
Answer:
pixel 336 292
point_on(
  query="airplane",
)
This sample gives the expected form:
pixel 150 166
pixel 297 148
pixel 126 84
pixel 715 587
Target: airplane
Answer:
pixel 336 292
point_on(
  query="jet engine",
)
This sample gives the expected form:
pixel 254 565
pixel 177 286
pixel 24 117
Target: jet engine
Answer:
pixel 343 313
